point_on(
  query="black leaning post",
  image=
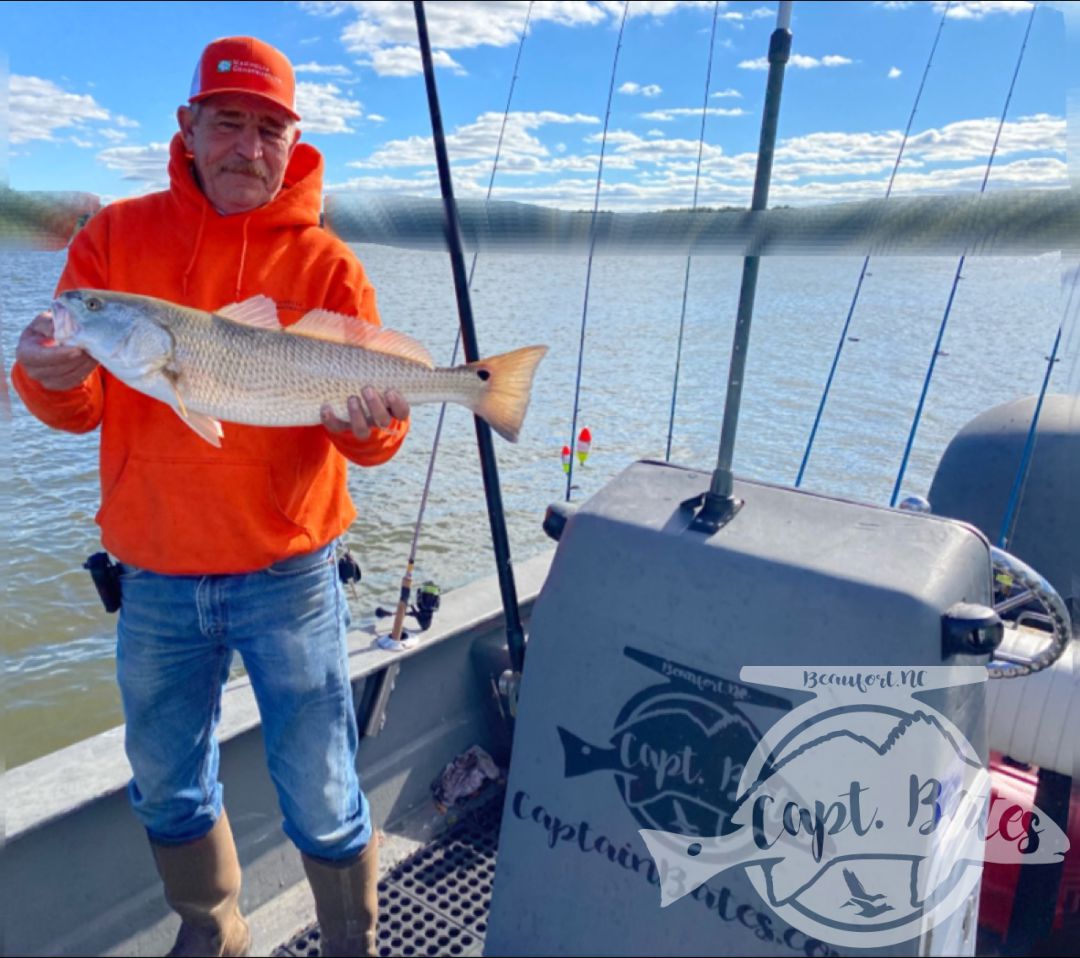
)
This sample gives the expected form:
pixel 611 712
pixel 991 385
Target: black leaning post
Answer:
pixel 515 635
pixel 719 503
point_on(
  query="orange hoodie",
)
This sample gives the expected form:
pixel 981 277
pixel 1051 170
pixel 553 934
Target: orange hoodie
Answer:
pixel 171 502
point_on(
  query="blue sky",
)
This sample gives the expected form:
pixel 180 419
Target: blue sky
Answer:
pixel 93 89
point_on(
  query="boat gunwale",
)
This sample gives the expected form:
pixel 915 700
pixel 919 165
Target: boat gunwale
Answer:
pixel 55 785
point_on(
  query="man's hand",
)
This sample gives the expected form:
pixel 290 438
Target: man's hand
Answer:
pixel 368 412
pixel 55 367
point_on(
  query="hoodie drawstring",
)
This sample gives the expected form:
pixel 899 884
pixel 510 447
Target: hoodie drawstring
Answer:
pixel 195 251
pixel 243 257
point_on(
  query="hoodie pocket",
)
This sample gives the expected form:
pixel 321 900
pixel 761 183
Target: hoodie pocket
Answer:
pixel 193 517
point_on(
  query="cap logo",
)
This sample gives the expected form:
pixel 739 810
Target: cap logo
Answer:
pixel 224 66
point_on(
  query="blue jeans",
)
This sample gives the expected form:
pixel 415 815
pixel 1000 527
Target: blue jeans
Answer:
pixel 175 640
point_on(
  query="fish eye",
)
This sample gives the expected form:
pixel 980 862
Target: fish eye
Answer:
pixel 94 304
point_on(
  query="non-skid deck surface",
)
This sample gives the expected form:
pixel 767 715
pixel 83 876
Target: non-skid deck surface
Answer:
pixel 436 901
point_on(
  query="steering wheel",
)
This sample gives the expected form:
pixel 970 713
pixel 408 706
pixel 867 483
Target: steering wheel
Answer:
pixel 1010 572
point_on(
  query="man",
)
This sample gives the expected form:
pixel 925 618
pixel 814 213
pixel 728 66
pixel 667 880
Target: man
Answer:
pixel 229 549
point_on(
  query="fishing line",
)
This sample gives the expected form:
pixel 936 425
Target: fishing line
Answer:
pixel 866 261
pixel 1016 494
pixel 693 206
pixel 959 271
pixel 592 246
pixel 406 582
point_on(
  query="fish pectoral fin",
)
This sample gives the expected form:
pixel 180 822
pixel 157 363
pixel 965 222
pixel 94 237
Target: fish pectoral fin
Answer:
pixel 258 311
pixel 350 331
pixel 205 426
pixel 173 376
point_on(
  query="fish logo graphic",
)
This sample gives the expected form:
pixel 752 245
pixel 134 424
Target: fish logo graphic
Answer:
pixel 224 66
pixel 861 816
pixel 677 750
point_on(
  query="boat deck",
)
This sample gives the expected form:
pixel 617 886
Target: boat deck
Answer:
pixel 436 901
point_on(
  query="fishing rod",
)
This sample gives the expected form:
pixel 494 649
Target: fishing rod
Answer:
pixel 489 466
pixel 866 261
pixel 592 248
pixel 693 206
pixel 956 278
pixel 718 505
pixel 1016 494
pixel 394 639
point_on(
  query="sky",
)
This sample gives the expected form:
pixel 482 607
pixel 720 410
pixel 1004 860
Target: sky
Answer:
pixel 93 90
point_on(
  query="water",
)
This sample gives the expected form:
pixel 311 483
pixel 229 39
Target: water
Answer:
pixel 59 643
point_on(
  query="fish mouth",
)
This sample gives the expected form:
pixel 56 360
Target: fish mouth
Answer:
pixel 65 325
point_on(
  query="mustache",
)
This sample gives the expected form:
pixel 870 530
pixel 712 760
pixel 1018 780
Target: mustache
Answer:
pixel 245 169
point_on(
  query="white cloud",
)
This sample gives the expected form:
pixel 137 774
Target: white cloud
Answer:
pixel 973 139
pixel 379 32
pixel 376 118
pixel 422 184
pixel 630 146
pixel 636 89
pixel 142 164
pixel 126 122
pixel 978 9
pixel 894 72
pixel 799 61
pixel 1042 173
pixel 37 108
pixel 665 116
pixel 389 24
pixel 660 170
pixel 477 141
pixel 839 155
pixel 82 144
pixel 760 12
pixel 116 136
pixel 323 108
pixel 573 184
pixel 404 61
pixel 325 8
pixel 729 92
pixel 336 70
pixel 650 8
pixel 964 9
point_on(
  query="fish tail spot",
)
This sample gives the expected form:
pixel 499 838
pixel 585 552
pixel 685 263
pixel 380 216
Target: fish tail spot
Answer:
pixel 508 382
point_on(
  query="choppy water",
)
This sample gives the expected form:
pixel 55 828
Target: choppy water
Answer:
pixel 59 643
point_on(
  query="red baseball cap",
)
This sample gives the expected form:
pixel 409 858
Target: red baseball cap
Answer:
pixel 245 65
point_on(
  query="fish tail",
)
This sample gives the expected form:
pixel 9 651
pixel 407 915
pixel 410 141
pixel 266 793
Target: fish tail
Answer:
pixel 579 757
pixel 508 382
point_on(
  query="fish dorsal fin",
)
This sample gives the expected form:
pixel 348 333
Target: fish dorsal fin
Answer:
pixel 258 311
pixel 338 328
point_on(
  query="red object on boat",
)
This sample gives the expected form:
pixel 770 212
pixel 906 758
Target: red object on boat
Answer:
pixel 1016 785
